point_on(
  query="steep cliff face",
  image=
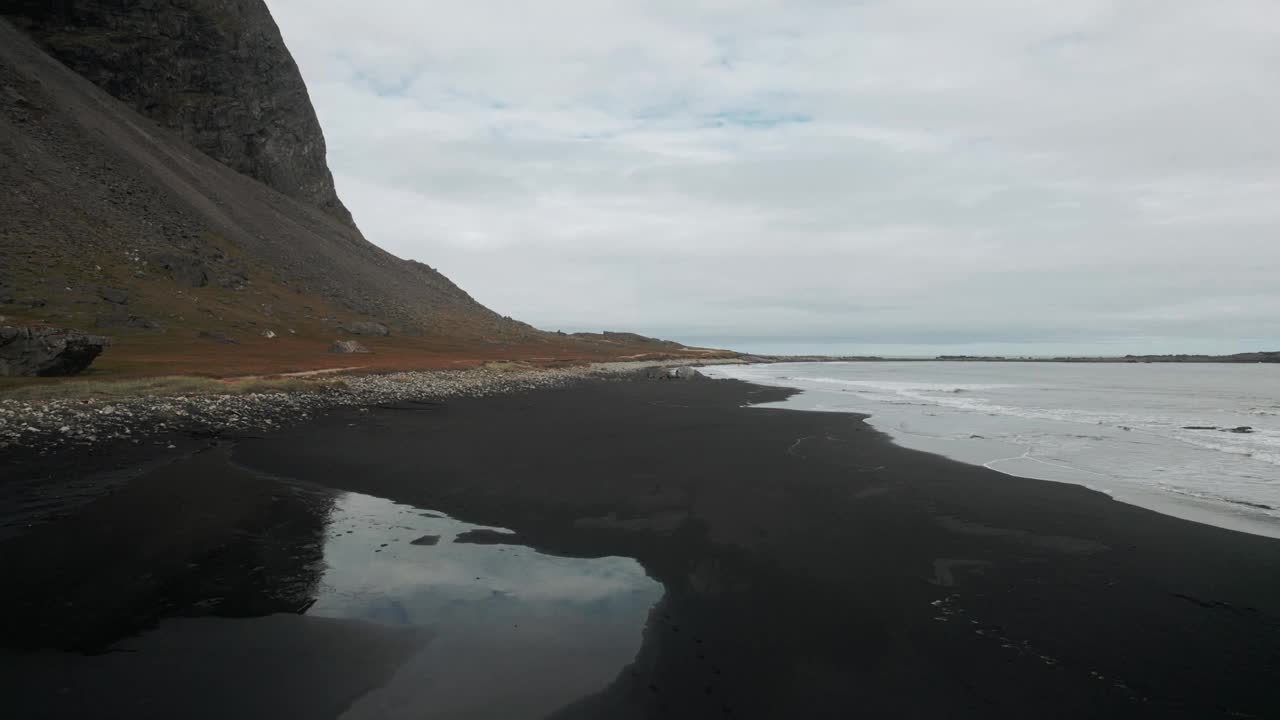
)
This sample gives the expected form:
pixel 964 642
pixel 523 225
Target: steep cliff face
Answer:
pixel 99 198
pixel 215 71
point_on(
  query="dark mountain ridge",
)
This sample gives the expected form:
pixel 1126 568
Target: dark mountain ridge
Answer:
pixel 181 203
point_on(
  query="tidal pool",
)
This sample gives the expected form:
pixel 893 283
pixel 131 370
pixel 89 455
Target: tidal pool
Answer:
pixel 512 632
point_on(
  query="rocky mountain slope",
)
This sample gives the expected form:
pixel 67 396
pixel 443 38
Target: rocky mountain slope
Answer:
pixel 191 216
pixel 106 203
pixel 215 71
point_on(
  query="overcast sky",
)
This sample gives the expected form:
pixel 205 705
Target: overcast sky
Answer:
pixel 1016 175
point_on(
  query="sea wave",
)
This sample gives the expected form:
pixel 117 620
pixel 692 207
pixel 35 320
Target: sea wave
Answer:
pixel 1260 444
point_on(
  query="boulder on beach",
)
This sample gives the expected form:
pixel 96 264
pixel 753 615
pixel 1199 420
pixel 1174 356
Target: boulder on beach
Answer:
pixel 347 346
pixel 684 373
pixel 47 351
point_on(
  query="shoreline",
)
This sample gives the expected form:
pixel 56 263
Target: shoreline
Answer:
pixel 1234 359
pixel 810 566
pixel 992 453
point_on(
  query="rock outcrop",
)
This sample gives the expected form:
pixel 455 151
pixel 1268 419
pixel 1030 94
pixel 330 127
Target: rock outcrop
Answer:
pixel 366 328
pixel 115 296
pixel 347 346
pixel 683 372
pixel 46 351
pixel 121 319
pixel 216 71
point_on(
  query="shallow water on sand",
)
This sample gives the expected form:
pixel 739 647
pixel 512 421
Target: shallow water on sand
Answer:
pixel 512 632
pixel 1155 435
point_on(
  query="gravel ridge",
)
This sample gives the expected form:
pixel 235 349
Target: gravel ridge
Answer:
pixel 54 423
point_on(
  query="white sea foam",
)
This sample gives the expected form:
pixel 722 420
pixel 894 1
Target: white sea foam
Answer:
pixel 1135 431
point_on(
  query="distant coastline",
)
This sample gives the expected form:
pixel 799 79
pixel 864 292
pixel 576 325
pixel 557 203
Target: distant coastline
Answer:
pixel 1250 357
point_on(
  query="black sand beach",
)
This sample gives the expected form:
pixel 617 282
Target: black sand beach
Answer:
pixel 811 568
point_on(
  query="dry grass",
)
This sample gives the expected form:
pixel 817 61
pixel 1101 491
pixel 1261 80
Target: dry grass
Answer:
pixel 156 386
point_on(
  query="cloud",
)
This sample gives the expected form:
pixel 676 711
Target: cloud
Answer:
pixel 911 172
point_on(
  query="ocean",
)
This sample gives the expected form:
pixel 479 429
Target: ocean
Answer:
pixel 1197 441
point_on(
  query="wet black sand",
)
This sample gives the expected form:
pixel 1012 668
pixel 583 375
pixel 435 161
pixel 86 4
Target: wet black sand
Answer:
pixel 812 569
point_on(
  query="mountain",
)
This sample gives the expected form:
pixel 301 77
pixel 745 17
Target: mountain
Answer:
pixel 215 71
pixel 167 185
